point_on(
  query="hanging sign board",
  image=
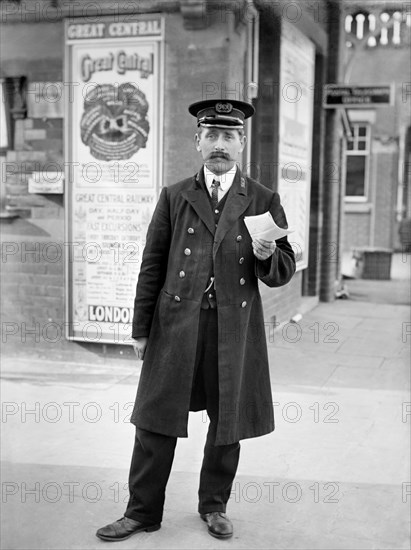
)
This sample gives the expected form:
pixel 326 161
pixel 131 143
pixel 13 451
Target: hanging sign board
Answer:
pixel 113 107
pixel 46 182
pixel 297 63
pixel 351 97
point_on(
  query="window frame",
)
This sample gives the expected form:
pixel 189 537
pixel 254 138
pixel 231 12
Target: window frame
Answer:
pixel 5 117
pixel 359 153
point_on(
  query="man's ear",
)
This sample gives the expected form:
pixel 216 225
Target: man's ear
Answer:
pixel 243 142
pixel 197 142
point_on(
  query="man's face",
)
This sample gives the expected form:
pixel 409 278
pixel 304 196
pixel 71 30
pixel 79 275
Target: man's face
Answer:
pixel 220 148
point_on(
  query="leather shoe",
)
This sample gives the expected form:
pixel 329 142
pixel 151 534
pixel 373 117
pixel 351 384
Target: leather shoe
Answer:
pixel 124 528
pixel 219 525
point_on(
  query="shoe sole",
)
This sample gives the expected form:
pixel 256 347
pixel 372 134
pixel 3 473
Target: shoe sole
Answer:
pixel 149 529
pixel 220 536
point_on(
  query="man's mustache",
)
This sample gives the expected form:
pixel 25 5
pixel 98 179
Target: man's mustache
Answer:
pixel 218 155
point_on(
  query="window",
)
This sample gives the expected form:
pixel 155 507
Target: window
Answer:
pixel 357 160
pixel 4 145
pixel 4 119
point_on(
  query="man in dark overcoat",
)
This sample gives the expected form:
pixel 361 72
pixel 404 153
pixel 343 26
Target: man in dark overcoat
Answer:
pixel 198 323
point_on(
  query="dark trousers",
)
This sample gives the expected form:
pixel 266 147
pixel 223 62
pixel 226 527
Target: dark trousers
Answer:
pixel 153 453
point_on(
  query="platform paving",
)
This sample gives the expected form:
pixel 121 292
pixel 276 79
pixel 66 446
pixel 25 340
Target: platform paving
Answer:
pixel 335 474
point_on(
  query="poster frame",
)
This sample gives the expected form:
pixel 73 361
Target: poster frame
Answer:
pixel 302 257
pixel 68 153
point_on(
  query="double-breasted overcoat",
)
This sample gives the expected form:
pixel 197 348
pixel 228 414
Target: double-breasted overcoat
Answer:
pixel 183 247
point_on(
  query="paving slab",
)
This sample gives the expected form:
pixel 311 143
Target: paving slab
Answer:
pixel 335 474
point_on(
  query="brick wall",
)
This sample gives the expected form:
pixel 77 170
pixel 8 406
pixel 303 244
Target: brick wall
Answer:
pixel 385 193
pixel 32 245
pixel 280 304
pixel 357 229
pixel 373 223
pixel 188 75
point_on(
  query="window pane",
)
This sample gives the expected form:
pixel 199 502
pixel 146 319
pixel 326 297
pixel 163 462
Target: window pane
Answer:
pixel 362 145
pixel 4 142
pixel 350 144
pixel 355 182
pixel 362 131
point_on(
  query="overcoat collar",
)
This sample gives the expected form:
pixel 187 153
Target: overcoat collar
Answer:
pixel 236 203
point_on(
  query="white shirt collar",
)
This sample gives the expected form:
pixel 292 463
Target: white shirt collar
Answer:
pixel 226 180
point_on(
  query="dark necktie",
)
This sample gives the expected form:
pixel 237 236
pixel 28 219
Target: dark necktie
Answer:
pixel 214 193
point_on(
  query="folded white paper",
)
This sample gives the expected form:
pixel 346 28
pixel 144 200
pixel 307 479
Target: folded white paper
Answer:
pixel 264 227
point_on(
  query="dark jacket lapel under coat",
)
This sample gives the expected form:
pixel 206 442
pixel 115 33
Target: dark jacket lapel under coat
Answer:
pixel 196 195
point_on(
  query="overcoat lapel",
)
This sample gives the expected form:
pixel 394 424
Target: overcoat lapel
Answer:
pixel 237 202
pixel 197 197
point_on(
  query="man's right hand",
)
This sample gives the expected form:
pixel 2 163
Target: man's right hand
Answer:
pixel 139 345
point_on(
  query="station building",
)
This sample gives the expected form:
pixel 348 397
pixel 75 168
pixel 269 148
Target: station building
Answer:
pixel 95 97
pixel 376 159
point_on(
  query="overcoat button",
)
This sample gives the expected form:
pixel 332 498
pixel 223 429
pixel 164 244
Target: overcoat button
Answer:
pixel 190 230
pixel 177 298
pixel 241 260
pixel 187 252
pixel 239 238
pixel 182 274
pixel 216 211
pixel 243 304
pixel 211 296
pixel 242 281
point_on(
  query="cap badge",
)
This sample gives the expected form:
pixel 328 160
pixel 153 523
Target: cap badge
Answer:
pixel 223 107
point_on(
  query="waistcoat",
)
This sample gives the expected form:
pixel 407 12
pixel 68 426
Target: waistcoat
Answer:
pixel 209 297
